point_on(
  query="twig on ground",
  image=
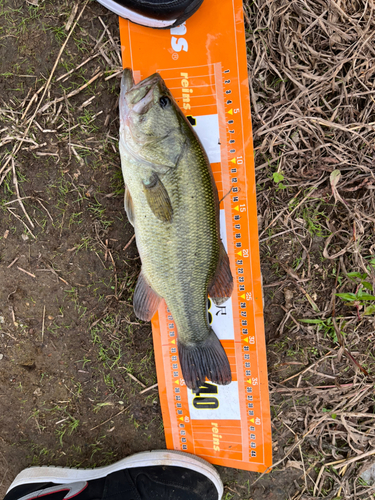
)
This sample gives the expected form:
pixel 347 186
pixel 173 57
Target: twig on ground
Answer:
pixel 129 242
pixel 114 416
pixel 149 388
pixel 27 272
pixel 136 380
pixel 43 319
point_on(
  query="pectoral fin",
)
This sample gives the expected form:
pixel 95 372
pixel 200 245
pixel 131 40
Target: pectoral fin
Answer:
pixel 221 287
pixel 158 198
pixel 145 301
pixel 128 204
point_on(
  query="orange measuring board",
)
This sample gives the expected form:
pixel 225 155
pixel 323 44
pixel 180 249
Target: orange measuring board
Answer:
pixel 203 63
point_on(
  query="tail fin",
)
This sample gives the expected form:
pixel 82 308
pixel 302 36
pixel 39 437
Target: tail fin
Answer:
pixel 207 359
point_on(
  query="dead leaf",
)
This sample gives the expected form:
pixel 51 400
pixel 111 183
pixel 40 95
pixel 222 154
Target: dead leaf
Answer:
pixel 334 179
pixel 294 464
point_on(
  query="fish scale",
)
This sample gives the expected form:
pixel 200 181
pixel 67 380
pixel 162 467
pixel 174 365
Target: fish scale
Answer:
pixel 180 255
pixel 180 259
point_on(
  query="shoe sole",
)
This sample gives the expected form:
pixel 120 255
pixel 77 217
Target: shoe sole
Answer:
pixel 150 22
pixel 64 475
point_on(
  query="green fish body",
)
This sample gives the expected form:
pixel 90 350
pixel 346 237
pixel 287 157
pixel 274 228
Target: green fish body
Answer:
pixel 172 201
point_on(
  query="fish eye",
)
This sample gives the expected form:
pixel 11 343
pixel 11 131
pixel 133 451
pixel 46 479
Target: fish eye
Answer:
pixel 164 101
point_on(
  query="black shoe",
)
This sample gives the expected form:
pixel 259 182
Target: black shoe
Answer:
pixel 150 475
pixel 154 13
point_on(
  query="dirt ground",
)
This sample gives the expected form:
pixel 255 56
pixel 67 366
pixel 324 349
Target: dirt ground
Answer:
pixel 73 357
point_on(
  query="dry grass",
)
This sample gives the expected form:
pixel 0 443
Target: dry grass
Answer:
pixel 312 81
pixel 40 119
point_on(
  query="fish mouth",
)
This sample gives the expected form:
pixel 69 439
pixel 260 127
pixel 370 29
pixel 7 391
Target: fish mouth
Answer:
pixel 143 104
pixel 137 98
pixel 127 81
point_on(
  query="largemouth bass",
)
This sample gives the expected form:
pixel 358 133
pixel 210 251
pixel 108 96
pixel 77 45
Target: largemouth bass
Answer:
pixel 172 201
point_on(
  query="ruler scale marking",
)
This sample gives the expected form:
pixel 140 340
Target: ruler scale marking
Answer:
pixel 227 425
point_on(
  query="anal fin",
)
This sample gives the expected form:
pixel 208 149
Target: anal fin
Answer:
pixel 145 301
pixel 221 286
pixel 158 199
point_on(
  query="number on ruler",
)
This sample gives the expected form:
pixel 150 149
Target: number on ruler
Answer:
pixel 206 403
